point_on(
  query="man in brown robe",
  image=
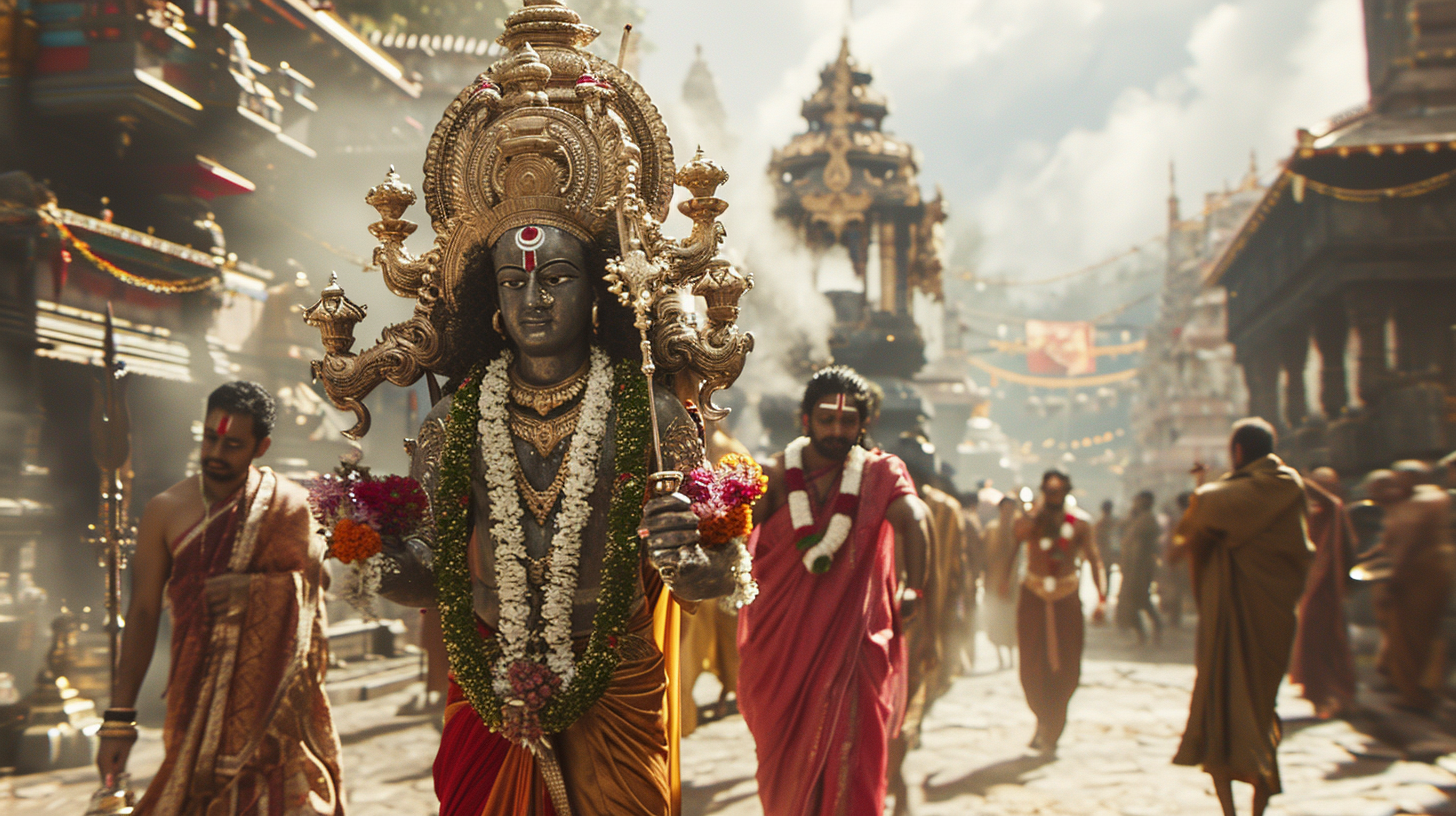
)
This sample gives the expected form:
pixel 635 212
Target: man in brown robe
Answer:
pixel 1245 534
pixel 1416 540
pixel 248 727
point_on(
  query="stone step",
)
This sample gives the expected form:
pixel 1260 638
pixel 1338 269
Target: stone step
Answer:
pixel 369 680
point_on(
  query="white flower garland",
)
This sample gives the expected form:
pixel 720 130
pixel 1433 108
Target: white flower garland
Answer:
pixel 801 513
pixel 581 461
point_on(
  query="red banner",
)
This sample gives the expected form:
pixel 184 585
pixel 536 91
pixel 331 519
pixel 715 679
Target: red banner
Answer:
pixel 1063 349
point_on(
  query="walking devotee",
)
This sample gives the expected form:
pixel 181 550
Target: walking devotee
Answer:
pixel 1140 537
pixel 975 574
pixel 1246 538
pixel 839 557
pixel 1002 552
pixel 932 636
pixel 1415 542
pixel 248 728
pixel 1049 623
pixel 1323 664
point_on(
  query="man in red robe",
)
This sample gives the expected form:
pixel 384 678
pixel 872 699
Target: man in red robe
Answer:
pixel 1323 663
pixel 248 727
pixel 839 557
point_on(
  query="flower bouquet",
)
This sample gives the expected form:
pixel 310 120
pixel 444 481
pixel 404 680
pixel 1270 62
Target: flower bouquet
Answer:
pixel 357 513
pixel 723 497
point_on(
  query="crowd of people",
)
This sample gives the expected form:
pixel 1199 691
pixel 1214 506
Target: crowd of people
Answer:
pixel 873 580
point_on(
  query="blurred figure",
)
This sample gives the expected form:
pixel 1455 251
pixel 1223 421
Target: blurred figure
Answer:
pixel 931 635
pixel 1049 624
pixel 1245 534
pixel 1174 579
pixel 1416 543
pixel 1140 538
pixel 1323 663
pixel 989 499
pixel 1106 530
pixel 975 573
pixel 1001 573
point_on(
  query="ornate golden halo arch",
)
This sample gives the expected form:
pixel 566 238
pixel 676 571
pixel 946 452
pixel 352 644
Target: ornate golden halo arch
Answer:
pixel 549 135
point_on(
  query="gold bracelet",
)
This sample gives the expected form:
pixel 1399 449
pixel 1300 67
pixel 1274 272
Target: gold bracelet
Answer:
pixel 117 730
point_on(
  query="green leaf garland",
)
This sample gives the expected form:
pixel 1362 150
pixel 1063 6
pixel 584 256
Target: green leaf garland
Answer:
pixel 473 657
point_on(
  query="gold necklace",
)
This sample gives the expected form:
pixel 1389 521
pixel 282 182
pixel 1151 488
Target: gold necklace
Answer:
pixel 544 434
pixel 545 399
pixel 540 502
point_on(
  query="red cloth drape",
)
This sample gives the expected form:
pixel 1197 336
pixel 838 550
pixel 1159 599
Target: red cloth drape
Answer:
pixel 822 676
pixel 470 760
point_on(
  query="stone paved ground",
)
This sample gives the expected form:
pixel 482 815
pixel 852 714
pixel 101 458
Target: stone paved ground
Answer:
pixel 1125 723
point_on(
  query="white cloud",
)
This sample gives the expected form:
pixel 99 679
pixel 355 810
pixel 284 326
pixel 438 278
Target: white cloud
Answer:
pixel 1096 191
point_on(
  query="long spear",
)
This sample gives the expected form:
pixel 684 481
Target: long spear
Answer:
pixel 111 441
pixel 111 445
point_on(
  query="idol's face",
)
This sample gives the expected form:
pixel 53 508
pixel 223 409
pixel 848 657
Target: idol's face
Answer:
pixel 544 291
pixel 834 426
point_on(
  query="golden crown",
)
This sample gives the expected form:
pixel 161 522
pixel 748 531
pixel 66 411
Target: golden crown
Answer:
pixel 551 135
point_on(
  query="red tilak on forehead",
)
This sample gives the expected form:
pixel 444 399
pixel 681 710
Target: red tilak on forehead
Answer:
pixel 223 424
pixel 528 240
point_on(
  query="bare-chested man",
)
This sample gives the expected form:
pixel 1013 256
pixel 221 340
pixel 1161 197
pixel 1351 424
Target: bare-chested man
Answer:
pixel 248 728
pixel 1049 622
pixel 1416 539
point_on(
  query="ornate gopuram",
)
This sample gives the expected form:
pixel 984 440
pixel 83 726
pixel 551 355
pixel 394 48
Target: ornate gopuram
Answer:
pixel 1348 258
pixel 847 182
pixel 571 377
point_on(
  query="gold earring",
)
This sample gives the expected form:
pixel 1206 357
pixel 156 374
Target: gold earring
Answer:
pixel 595 323
pixel 496 322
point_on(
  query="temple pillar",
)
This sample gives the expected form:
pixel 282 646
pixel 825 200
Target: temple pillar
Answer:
pixel 1332 337
pixel 889 268
pixel 1369 314
pixel 1419 333
pixel 1261 377
pixel 1293 355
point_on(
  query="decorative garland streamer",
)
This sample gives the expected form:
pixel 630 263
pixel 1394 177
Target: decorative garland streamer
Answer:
pixel 157 285
pixel 1412 190
pixel 472 657
pixel 1053 382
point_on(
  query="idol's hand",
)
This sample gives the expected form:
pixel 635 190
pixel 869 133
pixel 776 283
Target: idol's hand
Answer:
pixel 670 529
pixel 668 525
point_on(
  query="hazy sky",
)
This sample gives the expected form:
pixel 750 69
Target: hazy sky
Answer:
pixel 1049 123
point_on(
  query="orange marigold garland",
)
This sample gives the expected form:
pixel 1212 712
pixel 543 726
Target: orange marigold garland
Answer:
pixel 356 512
pixel 353 542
